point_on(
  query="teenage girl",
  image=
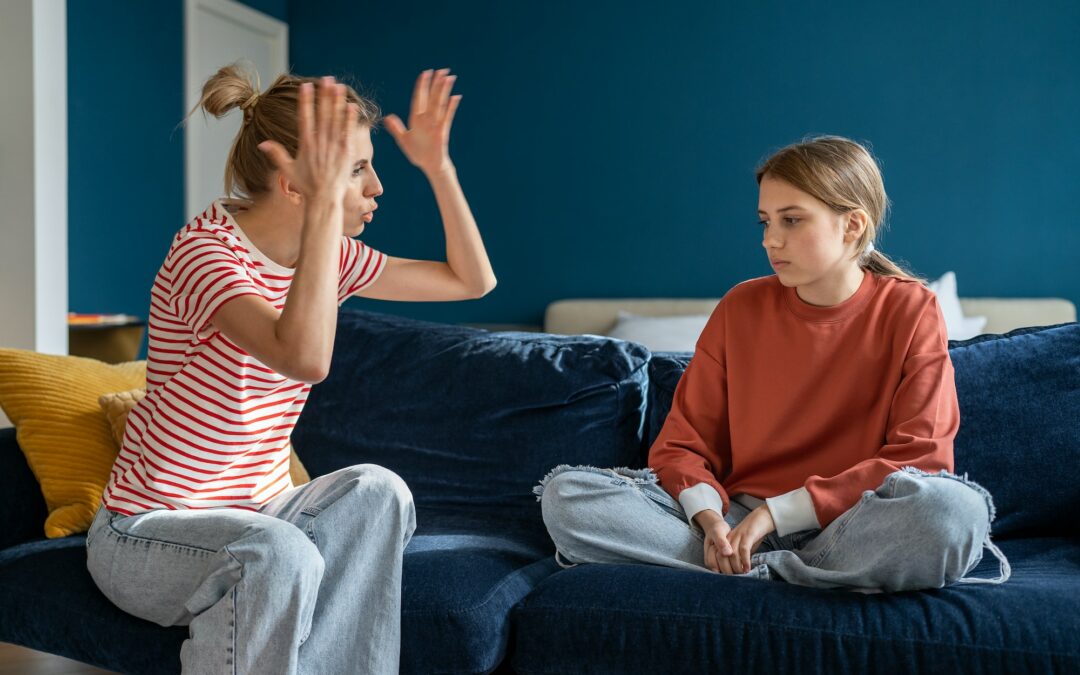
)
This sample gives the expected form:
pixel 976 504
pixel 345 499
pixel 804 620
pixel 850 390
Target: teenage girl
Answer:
pixel 200 524
pixel 810 439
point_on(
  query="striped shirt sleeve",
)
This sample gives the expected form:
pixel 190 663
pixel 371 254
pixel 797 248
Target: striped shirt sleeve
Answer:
pixel 206 274
pixel 361 265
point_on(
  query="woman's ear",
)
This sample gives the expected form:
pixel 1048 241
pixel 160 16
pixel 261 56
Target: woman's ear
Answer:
pixel 287 189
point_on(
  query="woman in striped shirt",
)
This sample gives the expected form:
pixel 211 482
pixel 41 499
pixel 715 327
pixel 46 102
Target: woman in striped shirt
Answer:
pixel 200 524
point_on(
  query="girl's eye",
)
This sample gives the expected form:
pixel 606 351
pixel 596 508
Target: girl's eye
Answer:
pixel 357 171
pixel 790 220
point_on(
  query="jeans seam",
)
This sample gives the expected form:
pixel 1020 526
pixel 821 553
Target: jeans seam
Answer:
pixel 123 535
pixel 235 657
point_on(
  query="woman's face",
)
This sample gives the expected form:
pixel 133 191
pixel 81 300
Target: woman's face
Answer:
pixel 364 186
pixel 804 239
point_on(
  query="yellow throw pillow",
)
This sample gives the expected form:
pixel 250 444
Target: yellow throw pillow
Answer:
pixel 118 405
pixel 53 403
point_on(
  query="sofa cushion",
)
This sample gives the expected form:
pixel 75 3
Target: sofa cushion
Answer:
pixel 53 403
pixel 471 417
pixel 1019 394
pixel 649 619
pixel 463 572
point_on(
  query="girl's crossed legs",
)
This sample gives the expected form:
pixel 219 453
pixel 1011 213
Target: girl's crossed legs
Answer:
pixel 915 531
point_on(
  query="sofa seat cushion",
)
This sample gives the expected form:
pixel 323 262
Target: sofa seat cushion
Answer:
pixel 462 576
pixel 49 602
pixel 648 619
pixel 463 572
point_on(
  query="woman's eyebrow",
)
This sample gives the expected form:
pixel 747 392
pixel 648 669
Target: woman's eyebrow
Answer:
pixel 786 208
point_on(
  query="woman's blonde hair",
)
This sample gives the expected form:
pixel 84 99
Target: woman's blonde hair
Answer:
pixel 270 115
pixel 845 176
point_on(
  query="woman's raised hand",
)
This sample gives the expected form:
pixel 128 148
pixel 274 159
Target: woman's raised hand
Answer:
pixel 426 141
pixel 326 140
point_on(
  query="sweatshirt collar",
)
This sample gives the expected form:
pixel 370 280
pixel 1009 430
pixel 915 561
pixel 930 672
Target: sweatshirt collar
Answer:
pixel 838 312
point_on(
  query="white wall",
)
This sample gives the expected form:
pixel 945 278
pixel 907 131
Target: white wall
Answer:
pixel 33 176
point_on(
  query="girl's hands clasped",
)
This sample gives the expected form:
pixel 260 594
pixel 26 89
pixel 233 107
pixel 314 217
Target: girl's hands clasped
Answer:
pixel 727 549
pixel 326 140
pixel 426 141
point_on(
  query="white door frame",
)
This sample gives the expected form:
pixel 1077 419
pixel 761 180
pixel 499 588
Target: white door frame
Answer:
pixel 276 31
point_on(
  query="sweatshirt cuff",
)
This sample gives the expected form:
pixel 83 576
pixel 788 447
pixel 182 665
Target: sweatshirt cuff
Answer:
pixel 792 512
pixel 696 499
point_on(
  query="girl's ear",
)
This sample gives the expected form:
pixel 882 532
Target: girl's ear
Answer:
pixel 856 224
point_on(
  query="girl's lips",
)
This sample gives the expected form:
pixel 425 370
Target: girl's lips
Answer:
pixel 780 263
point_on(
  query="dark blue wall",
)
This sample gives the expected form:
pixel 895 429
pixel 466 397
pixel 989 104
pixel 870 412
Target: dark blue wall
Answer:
pixel 125 148
pixel 608 148
pixel 125 151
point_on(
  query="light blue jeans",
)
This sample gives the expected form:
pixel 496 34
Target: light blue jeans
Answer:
pixel 916 531
pixel 311 583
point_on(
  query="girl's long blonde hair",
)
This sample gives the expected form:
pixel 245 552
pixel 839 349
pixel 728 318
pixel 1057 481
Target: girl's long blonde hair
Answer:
pixel 269 115
pixel 845 176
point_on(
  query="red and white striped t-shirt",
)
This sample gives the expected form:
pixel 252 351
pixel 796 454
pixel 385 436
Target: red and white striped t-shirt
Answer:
pixel 213 430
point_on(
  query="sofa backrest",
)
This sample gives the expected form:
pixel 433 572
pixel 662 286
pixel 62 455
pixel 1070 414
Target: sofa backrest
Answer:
pixel 470 417
pixel 1019 436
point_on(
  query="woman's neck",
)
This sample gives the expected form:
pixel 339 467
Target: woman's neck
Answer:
pixel 274 230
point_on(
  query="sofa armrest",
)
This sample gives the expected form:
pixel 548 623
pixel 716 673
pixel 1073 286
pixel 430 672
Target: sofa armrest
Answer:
pixel 22 507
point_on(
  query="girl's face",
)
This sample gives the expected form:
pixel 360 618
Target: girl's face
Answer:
pixel 805 240
pixel 364 186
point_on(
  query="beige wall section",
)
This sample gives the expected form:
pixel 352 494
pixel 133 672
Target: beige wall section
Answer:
pixel 33 176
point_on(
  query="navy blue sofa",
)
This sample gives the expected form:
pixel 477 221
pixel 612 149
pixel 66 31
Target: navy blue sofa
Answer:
pixel 472 420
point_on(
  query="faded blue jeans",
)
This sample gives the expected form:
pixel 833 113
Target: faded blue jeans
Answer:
pixel 311 583
pixel 916 531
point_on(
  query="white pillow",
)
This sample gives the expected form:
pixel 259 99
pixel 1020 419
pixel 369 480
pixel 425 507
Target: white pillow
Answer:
pixel 660 333
pixel 958 326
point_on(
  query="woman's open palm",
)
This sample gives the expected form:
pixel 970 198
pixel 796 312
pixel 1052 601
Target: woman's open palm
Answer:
pixel 426 141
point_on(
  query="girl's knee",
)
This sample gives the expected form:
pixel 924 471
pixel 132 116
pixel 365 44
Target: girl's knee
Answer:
pixel 952 517
pixel 565 502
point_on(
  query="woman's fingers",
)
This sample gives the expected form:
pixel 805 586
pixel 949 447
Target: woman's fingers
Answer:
pixel 352 119
pixel 444 96
pixel 278 155
pixel 395 126
pixel 341 113
pixel 451 109
pixel 324 110
pixel 305 116
pixel 420 95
